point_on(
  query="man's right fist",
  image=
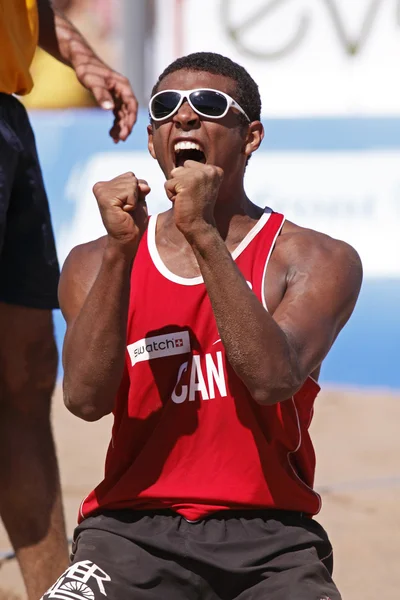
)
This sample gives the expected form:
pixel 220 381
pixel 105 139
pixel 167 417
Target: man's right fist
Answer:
pixel 123 208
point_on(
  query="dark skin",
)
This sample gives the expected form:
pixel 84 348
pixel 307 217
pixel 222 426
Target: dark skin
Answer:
pixel 311 287
pixel 111 90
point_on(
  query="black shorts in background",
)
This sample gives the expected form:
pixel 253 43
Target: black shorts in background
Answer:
pixel 243 555
pixel 29 268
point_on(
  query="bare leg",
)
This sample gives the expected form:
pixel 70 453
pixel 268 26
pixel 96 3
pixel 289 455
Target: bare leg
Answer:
pixel 30 496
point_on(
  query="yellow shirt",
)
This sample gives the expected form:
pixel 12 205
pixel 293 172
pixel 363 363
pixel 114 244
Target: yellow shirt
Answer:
pixel 19 30
pixel 56 86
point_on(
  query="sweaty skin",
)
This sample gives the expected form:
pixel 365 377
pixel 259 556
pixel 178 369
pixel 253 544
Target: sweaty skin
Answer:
pixel 311 286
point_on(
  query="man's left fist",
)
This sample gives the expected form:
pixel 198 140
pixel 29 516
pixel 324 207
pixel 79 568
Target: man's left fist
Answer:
pixel 193 189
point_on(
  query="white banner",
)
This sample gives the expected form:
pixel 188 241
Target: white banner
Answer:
pixel 309 57
pixel 353 196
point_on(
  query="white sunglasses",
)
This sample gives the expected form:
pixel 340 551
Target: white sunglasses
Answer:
pixel 206 102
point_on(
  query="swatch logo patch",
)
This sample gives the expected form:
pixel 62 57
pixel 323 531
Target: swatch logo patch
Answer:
pixel 159 346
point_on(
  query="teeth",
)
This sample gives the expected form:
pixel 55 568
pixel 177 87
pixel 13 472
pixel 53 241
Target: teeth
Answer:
pixel 186 146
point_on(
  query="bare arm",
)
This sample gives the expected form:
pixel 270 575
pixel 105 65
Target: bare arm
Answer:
pixel 59 37
pixel 94 299
pixel 273 355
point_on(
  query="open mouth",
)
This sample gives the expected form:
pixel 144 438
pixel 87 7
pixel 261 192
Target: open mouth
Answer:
pixel 188 151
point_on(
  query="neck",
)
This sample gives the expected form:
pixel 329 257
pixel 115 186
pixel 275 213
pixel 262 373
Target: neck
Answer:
pixel 234 215
pixel 233 207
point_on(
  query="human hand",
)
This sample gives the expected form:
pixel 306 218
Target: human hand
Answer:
pixel 112 91
pixel 193 189
pixel 123 209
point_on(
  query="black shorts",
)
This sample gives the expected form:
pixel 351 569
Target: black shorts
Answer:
pixel 29 268
pixel 257 555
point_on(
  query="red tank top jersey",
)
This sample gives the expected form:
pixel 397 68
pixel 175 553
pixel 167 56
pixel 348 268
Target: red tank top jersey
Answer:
pixel 187 435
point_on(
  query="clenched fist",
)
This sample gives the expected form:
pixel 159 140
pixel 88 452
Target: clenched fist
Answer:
pixel 123 208
pixel 194 189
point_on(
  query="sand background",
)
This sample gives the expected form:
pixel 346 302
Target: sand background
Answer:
pixel 357 440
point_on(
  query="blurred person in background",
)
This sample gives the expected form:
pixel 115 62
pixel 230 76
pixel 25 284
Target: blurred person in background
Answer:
pixel 56 85
pixel 202 330
pixel 30 500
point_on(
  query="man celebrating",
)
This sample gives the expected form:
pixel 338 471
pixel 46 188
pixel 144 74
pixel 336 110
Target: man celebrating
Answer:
pixel 30 503
pixel 203 330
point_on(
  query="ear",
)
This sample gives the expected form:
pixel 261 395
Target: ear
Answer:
pixel 254 137
pixel 150 143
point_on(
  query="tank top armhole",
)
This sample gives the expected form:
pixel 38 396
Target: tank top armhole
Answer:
pixel 262 291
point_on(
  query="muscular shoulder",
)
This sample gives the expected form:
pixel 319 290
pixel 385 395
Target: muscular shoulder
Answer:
pixel 86 258
pixel 78 274
pixel 306 263
pixel 301 250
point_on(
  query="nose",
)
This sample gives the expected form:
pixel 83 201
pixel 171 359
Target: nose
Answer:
pixel 186 117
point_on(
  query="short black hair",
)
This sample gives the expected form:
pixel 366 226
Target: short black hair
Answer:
pixel 246 93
